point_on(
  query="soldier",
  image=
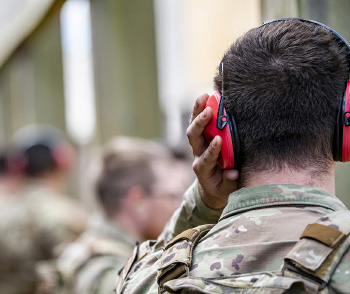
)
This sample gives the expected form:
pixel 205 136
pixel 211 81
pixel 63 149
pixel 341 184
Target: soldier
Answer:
pixel 139 186
pixel 40 219
pixel 284 86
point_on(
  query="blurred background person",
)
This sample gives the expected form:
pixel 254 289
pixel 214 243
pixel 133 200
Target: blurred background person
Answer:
pixel 139 185
pixel 39 220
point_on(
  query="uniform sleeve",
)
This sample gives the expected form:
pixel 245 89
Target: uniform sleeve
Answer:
pixel 192 213
pixel 340 281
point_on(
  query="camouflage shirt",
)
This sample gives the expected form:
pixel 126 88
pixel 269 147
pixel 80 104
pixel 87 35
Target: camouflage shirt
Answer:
pixel 258 227
pixel 34 226
pixel 90 264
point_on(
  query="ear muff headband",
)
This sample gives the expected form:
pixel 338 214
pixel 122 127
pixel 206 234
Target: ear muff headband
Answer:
pixel 341 140
pixel 222 120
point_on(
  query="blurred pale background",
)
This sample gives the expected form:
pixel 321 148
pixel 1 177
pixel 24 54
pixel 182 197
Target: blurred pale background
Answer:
pixel 101 68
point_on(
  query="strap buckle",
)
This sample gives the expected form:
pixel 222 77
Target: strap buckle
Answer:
pixel 303 275
pixel 173 272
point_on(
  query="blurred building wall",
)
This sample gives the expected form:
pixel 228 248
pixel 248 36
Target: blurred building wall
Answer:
pixel 31 84
pixel 191 38
pixel 125 68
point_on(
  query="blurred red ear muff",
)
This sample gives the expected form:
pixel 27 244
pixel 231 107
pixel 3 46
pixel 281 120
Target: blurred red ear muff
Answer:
pixel 17 163
pixel 63 155
pixel 223 125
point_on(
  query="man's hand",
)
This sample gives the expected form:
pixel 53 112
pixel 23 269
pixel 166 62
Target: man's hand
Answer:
pixel 215 184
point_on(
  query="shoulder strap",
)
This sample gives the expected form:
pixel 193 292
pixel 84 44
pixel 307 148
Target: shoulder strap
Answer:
pixel 177 257
pixel 321 246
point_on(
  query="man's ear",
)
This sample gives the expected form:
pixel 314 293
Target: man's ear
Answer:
pixel 136 200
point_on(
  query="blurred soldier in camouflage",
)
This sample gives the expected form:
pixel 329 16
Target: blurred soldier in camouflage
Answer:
pixel 283 83
pixel 139 186
pixel 39 220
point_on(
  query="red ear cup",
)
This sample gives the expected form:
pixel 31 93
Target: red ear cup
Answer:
pixel 346 125
pixel 64 156
pixel 17 164
pixel 226 158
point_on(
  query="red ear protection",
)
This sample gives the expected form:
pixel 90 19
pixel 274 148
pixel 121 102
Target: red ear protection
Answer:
pixel 224 126
pixel 226 158
pixel 64 156
pixel 341 143
pixel 346 125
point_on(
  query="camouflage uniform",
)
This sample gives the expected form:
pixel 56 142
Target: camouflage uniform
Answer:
pixel 91 264
pixel 256 230
pixel 34 226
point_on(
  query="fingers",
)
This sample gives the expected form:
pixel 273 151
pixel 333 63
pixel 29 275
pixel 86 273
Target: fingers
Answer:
pixel 195 131
pixel 205 165
pixel 199 106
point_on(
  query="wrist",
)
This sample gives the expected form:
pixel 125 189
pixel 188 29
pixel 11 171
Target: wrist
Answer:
pixel 212 202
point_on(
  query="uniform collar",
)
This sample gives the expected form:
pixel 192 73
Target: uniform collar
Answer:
pixel 279 195
pixel 102 226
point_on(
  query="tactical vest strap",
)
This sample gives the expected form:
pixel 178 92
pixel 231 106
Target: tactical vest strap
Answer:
pixel 177 257
pixel 324 234
pixel 319 250
pixel 188 235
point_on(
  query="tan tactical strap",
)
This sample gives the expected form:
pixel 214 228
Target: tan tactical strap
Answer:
pixel 324 234
pixel 328 249
pixel 180 267
pixel 185 235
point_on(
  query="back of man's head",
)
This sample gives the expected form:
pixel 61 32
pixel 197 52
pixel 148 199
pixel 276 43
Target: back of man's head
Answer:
pixel 283 83
pixel 126 163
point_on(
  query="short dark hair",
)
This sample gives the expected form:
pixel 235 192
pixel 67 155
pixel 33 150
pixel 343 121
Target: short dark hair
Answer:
pixel 283 83
pixel 119 174
pixel 126 162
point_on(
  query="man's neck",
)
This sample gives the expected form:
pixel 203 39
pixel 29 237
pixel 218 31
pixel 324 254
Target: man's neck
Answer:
pixel 324 181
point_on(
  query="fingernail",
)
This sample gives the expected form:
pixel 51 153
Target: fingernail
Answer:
pixel 196 105
pixel 215 142
pixel 204 113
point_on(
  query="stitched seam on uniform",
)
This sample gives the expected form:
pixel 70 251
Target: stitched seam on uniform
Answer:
pixel 272 204
pixel 269 195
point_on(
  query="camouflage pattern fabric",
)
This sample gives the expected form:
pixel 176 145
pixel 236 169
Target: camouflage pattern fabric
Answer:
pixel 257 229
pixel 263 283
pixel 34 226
pixel 90 265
